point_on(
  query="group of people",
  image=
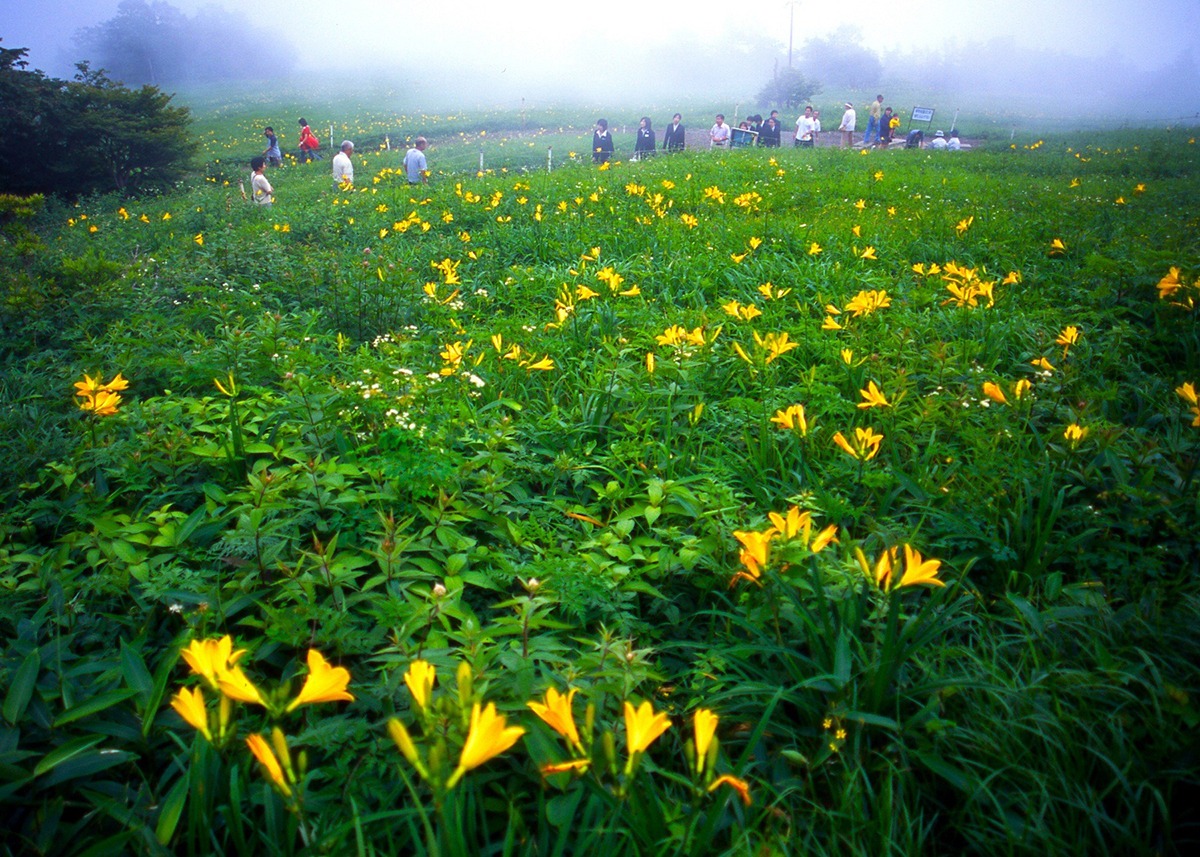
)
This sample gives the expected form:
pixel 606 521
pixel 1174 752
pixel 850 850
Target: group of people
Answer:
pixel 645 144
pixel 882 124
pixel 416 167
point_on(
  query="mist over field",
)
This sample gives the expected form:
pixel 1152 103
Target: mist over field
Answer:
pixel 1097 62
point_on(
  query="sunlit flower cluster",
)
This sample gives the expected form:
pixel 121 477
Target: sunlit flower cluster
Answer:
pixel 98 398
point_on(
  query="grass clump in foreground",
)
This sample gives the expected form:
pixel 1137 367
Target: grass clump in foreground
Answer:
pixel 753 502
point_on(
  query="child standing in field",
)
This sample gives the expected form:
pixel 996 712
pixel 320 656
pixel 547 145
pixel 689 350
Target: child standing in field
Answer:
pixel 261 191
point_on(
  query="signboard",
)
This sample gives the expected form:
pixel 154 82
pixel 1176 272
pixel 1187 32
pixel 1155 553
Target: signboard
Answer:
pixel 922 114
pixel 741 138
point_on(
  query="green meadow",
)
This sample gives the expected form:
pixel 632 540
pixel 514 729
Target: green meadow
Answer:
pixel 745 502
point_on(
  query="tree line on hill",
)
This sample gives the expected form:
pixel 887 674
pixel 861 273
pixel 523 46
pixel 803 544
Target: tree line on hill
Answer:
pixel 87 135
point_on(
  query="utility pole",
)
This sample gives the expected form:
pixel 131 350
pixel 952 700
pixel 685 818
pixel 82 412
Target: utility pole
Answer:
pixel 791 30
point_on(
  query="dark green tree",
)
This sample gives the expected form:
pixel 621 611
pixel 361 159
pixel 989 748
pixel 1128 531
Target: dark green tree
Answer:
pixel 156 43
pixel 87 135
pixel 789 88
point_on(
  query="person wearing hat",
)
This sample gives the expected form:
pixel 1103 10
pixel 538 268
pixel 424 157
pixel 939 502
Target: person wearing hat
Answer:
pixel 847 126
pixel 343 169
pixel 954 144
pixel 939 141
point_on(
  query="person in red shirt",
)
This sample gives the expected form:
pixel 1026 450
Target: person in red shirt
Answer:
pixel 309 144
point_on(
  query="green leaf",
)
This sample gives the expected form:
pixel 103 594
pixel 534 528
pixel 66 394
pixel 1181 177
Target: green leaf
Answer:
pixel 94 704
pixel 161 677
pixel 21 689
pixel 67 751
pixel 86 764
pixel 172 809
pixel 133 669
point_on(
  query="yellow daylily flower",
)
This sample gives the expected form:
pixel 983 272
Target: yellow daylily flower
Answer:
pixel 792 524
pixel 792 417
pixel 740 786
pixel 545 364
pixel 866 443
pixel 755 546
pixel 556 712
pixel 993 392
pixel 325 683
pixel 190 706
pixel 1074 434
pixel 266 757
pixel 873 397
pixel 815 249
pixel 1068 337
pixel 404 743
pixel 643 727
pixel 1169 284
pixel 704 726
pixel 210 659
pixel 563 767
pixel 918 571
pixel 1187 392
pixel 420 678
pixel 235 685
pixel 103 404
pixel 488 737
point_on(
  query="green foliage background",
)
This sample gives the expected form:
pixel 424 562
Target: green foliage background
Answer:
pixel 351 488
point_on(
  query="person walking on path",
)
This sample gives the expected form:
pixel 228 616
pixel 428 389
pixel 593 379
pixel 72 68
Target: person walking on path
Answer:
pixel 415 165
pixel 308 143
pixel 273 156
pixel 847 126
pixel 874 122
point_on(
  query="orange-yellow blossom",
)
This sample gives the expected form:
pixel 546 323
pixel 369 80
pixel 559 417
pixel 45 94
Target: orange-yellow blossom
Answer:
pixel 189 704
pixel 556 712
pixel 266 757
pixel 325 683
pixel 739 786
pixel 643 727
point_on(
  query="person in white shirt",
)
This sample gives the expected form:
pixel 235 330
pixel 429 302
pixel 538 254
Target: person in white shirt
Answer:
pixel 847 126
pixel 806 129
pixel 260 189
pixel 719 133
pixel 415 165
pixel 343 169
pixel 953 144
pixel 938 141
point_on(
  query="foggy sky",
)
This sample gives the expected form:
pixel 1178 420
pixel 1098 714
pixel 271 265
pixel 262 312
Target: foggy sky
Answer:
pixel 524 47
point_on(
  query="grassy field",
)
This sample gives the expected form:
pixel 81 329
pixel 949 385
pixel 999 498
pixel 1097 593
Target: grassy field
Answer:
pixel 746 502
